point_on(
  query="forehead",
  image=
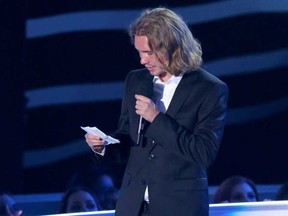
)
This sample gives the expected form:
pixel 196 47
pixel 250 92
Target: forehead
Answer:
pixel 243 187
pixel 141 43
pixel 80 196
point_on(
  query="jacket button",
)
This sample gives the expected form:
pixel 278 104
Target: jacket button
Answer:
pixel 151 156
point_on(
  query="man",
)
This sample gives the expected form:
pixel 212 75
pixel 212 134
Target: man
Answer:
pixel 182 110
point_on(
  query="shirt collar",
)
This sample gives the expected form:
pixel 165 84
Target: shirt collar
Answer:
pixel 173 79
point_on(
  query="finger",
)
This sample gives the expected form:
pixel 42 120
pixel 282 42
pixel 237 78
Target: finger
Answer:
pixel 141 98
pixel 91 136
pixel 92 142
pixel 98 148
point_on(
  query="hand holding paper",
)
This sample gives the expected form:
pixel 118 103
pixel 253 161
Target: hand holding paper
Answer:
pixel 96 131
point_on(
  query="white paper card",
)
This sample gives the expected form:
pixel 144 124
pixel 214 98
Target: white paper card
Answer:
pixel 98 132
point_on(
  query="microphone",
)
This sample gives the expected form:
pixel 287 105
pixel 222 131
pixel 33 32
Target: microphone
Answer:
pixel 147 91
pixel 140 130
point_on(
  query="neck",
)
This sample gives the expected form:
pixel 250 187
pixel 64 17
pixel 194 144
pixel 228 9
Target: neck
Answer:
pixel 164 77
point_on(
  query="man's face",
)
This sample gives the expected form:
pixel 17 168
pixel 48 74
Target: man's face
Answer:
pixel 147 57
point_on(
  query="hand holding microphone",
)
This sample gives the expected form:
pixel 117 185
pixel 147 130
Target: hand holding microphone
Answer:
pixel 146 108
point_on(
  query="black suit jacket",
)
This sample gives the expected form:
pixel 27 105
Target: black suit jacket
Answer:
pixel 177 148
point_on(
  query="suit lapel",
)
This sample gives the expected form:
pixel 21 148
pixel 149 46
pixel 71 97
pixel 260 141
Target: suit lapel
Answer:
pixel 146 86
pixel 181 93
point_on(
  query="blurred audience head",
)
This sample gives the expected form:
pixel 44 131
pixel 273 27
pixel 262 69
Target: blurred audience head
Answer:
pixel 236 189
pixel 8 206
pixel 282 193
pixel 78 199
pixel 100 182
pixel 106 192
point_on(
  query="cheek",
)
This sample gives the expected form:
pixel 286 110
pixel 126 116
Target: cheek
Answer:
pixel 155 60
pixel 163 59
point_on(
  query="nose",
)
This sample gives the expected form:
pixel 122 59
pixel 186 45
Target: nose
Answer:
pixel 143 59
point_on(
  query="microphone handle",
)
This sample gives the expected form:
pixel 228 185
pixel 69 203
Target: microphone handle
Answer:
pixel 140 131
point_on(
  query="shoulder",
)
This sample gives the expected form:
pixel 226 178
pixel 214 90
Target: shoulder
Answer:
pixel 204 83
pixel 138 73
pixel 201 76
pixel 206 76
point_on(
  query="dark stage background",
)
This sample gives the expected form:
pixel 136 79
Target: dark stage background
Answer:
pixel 63 65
